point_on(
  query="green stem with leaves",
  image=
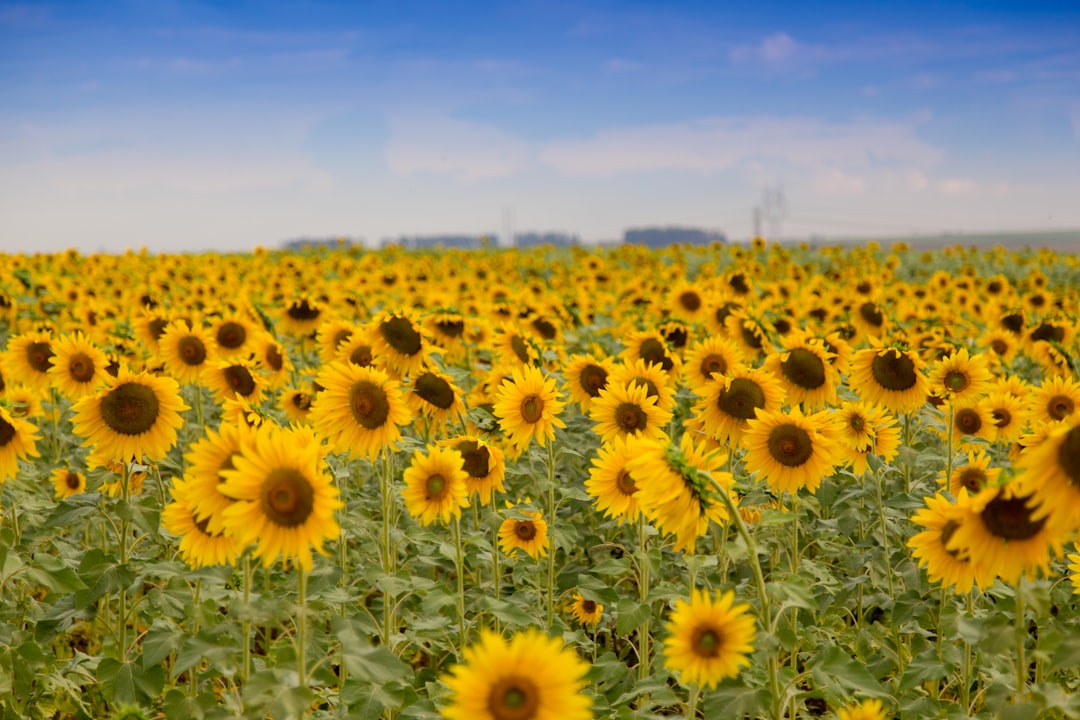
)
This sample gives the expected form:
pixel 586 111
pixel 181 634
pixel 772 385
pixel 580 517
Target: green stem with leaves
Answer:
pixel 551 524
pixel 301 627
pixel 460 563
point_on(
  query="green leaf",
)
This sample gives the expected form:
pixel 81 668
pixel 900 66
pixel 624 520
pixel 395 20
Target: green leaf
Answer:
pixel 839 671
pixel 54 574
pixel 629 615
pixel 128 682
pixel 736 702
pixel 373 663
pixel 925 666
pixel 162 639
pixel 1067 654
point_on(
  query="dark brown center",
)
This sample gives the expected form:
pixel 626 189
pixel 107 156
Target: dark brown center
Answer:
pixel 130 408
pixel 361 355
pixel 231 335
pixel 513 698
pixel 400 334
pixel 894 370
pixel 287 497
pixel 435 487
pixel 690 301
pixel 968 421
pixel 630 417
pixel 625 483
pixel 39 356
pixel 7 432
pixel 741 398
pixel 871 313
pixel 476 458
pixel 303 311
pixel 1060 407
pixel 191 350
pixel 520 348
pixel 653 352
pixel 525 530
pixel 973 479
pixel 593 379
pixel 81 367
pixel 369 405
pixel 804 369
pixel 240 380
pixel 532 409
pixel 273 358
pixel 435 390
pixel 1010 518
pixel 955 381
pixel 706 642
pixel 1068 456
pixel 790 445
pixel 713 363
pixel 72 481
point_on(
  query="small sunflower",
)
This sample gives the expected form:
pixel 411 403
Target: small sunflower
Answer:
pixel 531 677
pixel 131 417
pixel 585 378
pixel 586 612
pixel 66 482
pixel 961 378
pixel 234 378
pixel 715 355
pixel 751 335
pixel 300 317
pixel 28 358
pixel 23 402
pixel 331 335
pixel 199 545
pixel 1074 571
pixel 972 420
pixel 186 351
pixel 866 710
pixel 527 533
pixel 360 410
pixel 528 407
pixel 233 334
pixel 435 488
pixel 734 400
pixel 658 384
pixel 710 638
pixel 205 461
pixel 273 359
pixel 358 350
pixel 1010 416
pixel 484 464
pixel 1053 401
pixel 891 377
pixel 285 499
pixel 434 396
pixel 790 451
pixel 610 483
pixel 972 477
pixel 623 410
pixel 950 566
pixel 78 366
pixel 447 329
pixel 399 340
pixel 295 403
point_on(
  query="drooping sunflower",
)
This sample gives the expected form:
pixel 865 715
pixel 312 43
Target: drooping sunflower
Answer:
pixel 435 488
pixel 28 358
pixel 715 354
pixel 1053 401
pixel 804 369
pixel 331 335
pixel 750 334
pixel 285 498
pixel 132 416
pixel 678 487
pixel 18 439
pixel 186 351
pixel 360 410
pixel 890 377
pixel 528 407
pixel 484 463
pixel 658 384
pixel 586 376
pixel 300 316
pixel 1010 416
pixel 724 411
pixel 1050 473
pixel 866 710
pixel 952 567
pixel 531 677
pixel 623 410
pixel 67 482
pixel 234 378
pixel 1000 345
pixel 586 612
pixel 399 341
pixel 447 329
pixel 610 482
pixel 524 530
pixel 200 546
pixel 434 396
pixel 961 378
pixel 1002 535
pixel 710 638
pixel 78 366
pixel 148 327
pixel 972 477
pixel 790 450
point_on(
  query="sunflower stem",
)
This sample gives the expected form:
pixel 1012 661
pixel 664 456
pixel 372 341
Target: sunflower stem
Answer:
pixel 193 679
pixel 763 599
pixel 498 571
pixel 388 558
pixel 1021 637
pixel 965 684
pixel 644 638
pixel 907 464
pixel 691 708
pixel 55 424
pixel 460 562
pixel 301 627
pixel 198 405
pixel 245 667
pixel 125 491
pixel 949 448
pixel 795 533
pixel 553 548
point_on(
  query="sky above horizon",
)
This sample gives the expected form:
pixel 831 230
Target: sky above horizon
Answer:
pixel 227 125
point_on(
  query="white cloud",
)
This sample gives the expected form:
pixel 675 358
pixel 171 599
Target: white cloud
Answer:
pixel 711 145
pixel 466 150
pixel 776 51
pixel 833 181
pixel 957 186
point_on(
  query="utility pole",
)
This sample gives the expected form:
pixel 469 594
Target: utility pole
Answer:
pixel 773 208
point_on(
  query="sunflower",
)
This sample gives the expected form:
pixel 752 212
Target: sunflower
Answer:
pixel 186 351
pixel 949 566
pixel 233 334
pixel 678 487
pixel 513 347
pixel 360 410
pixel 1050 471
pixel 841 350
pixel 149 326
pixel 205 460
pixel 1055 400
pixel 972 420
pixel 234 378
pixel 972 477
pixel 132 416
pixel 199 545
pixel 78 366
pixel 658 383
pixel 447 329
pixel 1010 415
pixel 399 340
pixel 300 317
pixel 891 377
pixel 435 488
pixel 623 410
pixel 285 498
pixel 713 355
pixel 586 612
pixel 67 482
pixel 961 378
pixel 331 335
pixel 804 369
pixel 525 530
pixel 791 451
pixel 724 411
pixel 18 439
pixel 686 301
pixel 750 334
pixel 1002 534
pixel 484 464
pixel 649 346
pixel 528 407
pixel 586 376
pixel 710 638
pixel 531 677
pixel 1074 571
pixel 866 710
pixel 1000 344
pixel 295 403
pixel 23 402
pixel 28 359
pixel 273 359
pixel 434 396
pixel 610 484
pixel 359 351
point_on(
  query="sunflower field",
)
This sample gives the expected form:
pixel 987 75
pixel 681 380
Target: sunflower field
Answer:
pixel 721 481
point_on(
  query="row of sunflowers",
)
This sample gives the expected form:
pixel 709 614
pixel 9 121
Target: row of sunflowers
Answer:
pixel 766 481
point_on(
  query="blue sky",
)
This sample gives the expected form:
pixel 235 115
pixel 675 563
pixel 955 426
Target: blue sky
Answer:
pixel 188 126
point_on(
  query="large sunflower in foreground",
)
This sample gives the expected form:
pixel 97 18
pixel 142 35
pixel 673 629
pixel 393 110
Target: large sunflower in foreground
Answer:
pixel 710 638
pixel 952 567
pixel 531 677
pixel 132 416
pixel 528 407
pixel 791 451
pixel 435 486
pixel 628 410
pixel 891 377
pixel 360 409
pixel 1050 471
pixel 285 499
pixel 610 484
pixel 17 440
pixel 78 366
